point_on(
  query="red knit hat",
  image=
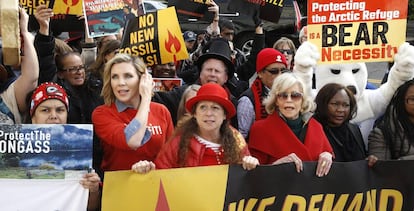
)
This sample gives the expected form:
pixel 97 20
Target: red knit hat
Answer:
pixel 269 56
pixel 45 91
pixel 216 93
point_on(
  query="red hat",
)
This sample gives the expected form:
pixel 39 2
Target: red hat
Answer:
pixel 269 56
pixel 45 91
pixel 213 92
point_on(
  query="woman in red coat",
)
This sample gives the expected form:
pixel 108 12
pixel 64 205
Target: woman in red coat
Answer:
pixel 206 138
pixel 289 133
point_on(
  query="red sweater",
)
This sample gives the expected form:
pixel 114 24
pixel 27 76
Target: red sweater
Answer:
pixel 109 125
pixel 271 139
pixel 198 154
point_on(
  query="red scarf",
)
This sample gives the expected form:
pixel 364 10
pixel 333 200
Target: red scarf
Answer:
pixel 257 89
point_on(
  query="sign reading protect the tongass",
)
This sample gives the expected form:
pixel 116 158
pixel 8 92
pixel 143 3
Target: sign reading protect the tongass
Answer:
pixel 357 30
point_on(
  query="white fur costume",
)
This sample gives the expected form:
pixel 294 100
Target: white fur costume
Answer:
pixel 371 103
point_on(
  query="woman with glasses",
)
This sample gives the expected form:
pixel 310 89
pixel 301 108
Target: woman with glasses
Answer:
pixel 287 48
pixel 289 133
pixel 336 106
pixel 72 77
pixel 393 137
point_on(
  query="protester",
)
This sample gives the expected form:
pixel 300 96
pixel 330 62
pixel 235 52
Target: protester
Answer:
pixel 71 76
pixel 182 113
pixel 190 40
pixel 303 34
pixel 392 138
pixel 13 97
pixel 96 69
pixel 167 70
pixel 288 48
pixel 336 106
pixel 289 133
pixel 205 139
pixel 49 105
pixel 131 127
pixel 215 67
pixel 227 31
pixel 270 64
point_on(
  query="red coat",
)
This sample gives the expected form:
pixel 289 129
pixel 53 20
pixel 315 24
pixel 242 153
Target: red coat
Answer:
pixel 168 156
pixel 271 139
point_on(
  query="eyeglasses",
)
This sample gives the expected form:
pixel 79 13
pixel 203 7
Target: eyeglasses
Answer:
pixel 337 105
pixel 288 51
pixel 295 96
pixel 74 69
pixel 275 71
pixel 410 101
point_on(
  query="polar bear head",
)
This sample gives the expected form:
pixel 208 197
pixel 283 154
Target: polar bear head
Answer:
pixel 352 75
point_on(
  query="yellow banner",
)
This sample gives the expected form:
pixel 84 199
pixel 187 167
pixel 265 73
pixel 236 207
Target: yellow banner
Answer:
pixel 170 39
pixel 70 7
pixel 165 190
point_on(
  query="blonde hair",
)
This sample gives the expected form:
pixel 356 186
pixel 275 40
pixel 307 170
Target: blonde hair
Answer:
pixel 107 92
pixel 281 84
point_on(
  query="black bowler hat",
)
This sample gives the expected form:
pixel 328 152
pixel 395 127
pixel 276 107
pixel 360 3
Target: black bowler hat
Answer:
pixel 217 49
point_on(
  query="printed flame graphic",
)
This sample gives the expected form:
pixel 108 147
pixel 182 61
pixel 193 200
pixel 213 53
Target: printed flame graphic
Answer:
pixel 70 3
pixel 172 44
pixel 162 203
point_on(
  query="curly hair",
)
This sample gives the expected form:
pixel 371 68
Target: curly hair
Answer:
pixel 396 123
pixel 227 140
pixel 282 83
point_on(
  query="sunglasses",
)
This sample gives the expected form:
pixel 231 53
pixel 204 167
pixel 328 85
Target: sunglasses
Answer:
pixel 275 71
pixel 74 69
pixel 288 52
pixel 295 96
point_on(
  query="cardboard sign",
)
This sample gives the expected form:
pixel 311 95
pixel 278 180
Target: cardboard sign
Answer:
pixel 156 37
pixel 357 31
pixel 166 84
pixel 104 17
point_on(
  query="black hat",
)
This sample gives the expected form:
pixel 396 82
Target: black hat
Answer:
pixel 218 49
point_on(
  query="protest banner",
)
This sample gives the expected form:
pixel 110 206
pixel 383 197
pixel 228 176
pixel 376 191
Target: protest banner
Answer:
pixel 348 186
pixel 66 15
pixel 356 31
pixel 156 37
pixel 41 165
pixel 103 17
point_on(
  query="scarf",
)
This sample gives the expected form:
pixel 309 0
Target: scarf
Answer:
pixel 257 89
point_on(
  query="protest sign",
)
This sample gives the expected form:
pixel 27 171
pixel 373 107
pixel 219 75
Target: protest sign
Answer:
pixel 43 164
pixel 268 187
pixel 356 31
pixel 104 17
pixel 166 84
pixel 156 43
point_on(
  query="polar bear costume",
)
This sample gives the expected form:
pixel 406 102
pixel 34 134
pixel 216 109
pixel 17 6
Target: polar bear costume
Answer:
pixel 371 103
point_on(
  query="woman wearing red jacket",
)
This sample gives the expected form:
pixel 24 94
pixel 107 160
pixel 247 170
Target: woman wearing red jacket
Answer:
pixel 206 138
pixel 289 133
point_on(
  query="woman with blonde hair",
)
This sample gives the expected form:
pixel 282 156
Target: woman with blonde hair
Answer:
pixel 129 125
pixel 290 133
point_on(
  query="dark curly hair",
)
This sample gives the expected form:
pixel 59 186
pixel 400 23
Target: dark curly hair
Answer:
pixel 396 123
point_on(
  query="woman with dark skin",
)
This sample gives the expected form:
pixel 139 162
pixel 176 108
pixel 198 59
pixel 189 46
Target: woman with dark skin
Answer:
pixel 336 106
pixel 393 137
